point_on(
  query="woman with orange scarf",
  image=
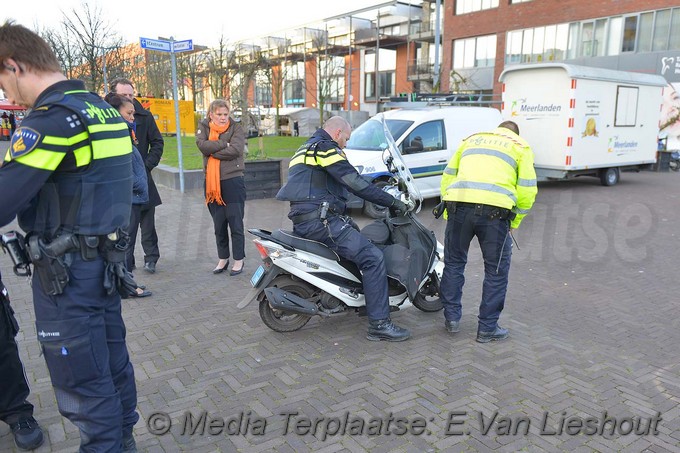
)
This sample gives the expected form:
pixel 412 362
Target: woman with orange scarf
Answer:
pixel 221 140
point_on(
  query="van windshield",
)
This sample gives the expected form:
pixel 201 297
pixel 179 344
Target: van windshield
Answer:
pixel 370 135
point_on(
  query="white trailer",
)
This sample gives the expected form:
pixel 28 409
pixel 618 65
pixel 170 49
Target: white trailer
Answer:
pixel 584 121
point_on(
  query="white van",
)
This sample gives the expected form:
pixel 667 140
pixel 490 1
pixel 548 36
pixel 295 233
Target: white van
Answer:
pixel 426 137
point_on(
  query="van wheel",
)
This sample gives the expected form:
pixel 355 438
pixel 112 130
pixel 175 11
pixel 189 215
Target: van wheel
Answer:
pixel 609 176
pixel 373 210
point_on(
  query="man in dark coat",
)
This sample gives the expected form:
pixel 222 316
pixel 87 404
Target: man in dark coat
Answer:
pixel 151 148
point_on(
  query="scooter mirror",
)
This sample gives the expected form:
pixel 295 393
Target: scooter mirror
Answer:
pixel 387 159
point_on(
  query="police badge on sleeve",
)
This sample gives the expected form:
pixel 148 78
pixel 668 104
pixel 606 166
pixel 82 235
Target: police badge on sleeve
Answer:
pixel 24 141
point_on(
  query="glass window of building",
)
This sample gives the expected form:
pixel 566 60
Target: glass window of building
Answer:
pixel 662 27
pixel 592 38
pixel 615 36
pixel 629 34
pixel 538 44
pixel 645 33
pixel 561 42
pixel 572 42
pixel 469 6
pixel 331 74
pixel 479 52
pixel 527 45
pixel 537 48
pixel 513 47
pixel 512 2
pixel 387 64
pixel 294 84
pixel 674 42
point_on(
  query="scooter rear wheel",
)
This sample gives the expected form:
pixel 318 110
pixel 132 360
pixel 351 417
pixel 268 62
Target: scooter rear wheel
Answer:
pixel 281 321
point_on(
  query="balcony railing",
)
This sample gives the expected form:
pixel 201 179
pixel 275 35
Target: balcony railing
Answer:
pixel 420 69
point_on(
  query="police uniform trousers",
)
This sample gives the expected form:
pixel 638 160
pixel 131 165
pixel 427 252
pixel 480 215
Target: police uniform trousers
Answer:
pixel 13 386
pixel 82 334
pixel 341 236
pixel 496 245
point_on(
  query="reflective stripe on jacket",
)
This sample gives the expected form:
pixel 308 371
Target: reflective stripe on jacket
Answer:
pixel 493 168
pixel 83 144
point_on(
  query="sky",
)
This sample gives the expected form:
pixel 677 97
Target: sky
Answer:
pixel 203 21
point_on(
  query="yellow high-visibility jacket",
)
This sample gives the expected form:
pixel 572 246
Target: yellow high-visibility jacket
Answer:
pixel 494 168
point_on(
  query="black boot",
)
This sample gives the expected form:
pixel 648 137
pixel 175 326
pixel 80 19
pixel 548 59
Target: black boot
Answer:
pixel 384 329
pixel 27 434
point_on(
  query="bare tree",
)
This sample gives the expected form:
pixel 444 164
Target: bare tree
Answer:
pixel 218 60
pixel 62 41
pixel 191 70
pixel 329 73
pixel 94 37
pixel 158 74
pixel 248 61
pixel 274 69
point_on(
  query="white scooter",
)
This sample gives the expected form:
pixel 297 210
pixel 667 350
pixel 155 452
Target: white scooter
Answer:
pixel 301 278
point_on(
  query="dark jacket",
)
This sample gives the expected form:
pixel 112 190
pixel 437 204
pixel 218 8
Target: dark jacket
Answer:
pixel 228 149
pixel 140 183
pixel 319 171
pixel 41 172
pixel 150 146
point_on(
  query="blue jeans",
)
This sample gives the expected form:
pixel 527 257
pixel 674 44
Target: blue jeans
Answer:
pixel 496 244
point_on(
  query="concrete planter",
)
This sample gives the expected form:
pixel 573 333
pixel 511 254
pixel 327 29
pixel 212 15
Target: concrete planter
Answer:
pixel 263 178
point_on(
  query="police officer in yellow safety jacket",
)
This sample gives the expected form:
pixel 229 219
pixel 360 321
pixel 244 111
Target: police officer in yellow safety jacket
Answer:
pixel 488 186
pixel 67 177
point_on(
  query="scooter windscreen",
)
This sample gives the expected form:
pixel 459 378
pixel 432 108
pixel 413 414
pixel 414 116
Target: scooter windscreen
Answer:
pixel 397 163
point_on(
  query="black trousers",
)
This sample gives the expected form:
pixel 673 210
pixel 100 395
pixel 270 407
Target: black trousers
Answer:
pixel 229 219
pixel 143 217
pixel 13 386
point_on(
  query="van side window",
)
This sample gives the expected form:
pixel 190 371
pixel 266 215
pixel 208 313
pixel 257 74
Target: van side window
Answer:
pixel 428 136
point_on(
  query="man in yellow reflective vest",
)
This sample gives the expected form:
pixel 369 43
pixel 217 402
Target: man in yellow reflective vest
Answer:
pixel 489 185
pixel 67 177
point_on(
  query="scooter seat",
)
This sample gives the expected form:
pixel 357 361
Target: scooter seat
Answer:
pixel 308 245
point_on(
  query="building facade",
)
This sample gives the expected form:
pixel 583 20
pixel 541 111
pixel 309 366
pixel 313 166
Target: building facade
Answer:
pixel 362 59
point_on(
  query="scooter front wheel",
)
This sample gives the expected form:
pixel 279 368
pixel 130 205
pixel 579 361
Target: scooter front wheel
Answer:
pixel 427 299
pixel 281 321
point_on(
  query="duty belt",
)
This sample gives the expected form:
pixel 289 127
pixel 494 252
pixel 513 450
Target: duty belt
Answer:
pixel 317 214
pixel 493 212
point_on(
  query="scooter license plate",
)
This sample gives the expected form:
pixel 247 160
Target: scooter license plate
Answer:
pixel 257 276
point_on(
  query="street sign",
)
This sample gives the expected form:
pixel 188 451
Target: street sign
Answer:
pixel 173 47
pixel 155 44
pixel 183 46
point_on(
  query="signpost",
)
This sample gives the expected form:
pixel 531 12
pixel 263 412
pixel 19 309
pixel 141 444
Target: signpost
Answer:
pixel 172 46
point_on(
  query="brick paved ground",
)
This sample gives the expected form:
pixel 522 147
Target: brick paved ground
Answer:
pixel 592 310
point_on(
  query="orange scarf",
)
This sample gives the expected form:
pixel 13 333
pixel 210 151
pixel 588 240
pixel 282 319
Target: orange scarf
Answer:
pixel 213 192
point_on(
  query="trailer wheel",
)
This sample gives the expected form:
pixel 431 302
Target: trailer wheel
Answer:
pixel 609 176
